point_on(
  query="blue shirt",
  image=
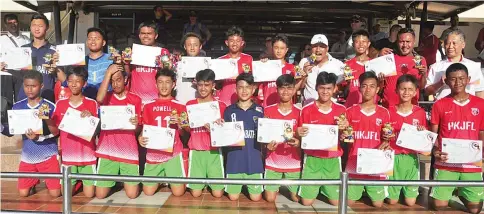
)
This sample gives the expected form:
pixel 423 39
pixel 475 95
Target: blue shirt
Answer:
pixel 37 61
pixel 245 159
pixel 96 69
pixel 37 151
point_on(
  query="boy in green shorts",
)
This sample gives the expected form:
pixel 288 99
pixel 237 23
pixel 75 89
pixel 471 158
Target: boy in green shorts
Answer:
pixel 321 164
pixel 205 161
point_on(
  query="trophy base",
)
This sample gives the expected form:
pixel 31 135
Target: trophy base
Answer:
pixel 349 140
pixel 49 66
pixel 43 117
pixel 349 78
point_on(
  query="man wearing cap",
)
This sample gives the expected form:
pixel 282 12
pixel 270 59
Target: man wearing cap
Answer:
pixel 197 27
pixel 322 62
pixel 267 53
pixel 357 23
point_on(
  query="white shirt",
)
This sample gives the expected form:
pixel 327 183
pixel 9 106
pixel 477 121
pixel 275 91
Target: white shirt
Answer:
pixel 350 51
pixel 437 71
pixel 6 43
pixel 185 89
pixel 331 66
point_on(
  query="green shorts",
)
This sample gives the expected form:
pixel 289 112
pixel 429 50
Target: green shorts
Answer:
pixel 87 169
pixel 110 167
pixel 205 164
pixel 376 193
pixel 270 174
pixel 472 194
pixel 236 189
pixel 172 168
pixel 320 168
pixel 406 167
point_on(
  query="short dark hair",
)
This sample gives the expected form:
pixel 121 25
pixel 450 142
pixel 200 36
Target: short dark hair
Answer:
pixel 406 30
pixel 429 25
pixel 205 75
pixel 245 77
pixel 360 33
pixel 9 16
pixel 188 35
pixel 456 67
pixel 395 27
pixel 98 30
pixel 407 78
pixel 282 38
pixel 34 75
pixel 40 16
pixel 285 80
pixel 156 7
pixel 325 78
pixel 234 31
pixel 166 72
pixel 150 24
pixel 367 75
pixel 79 71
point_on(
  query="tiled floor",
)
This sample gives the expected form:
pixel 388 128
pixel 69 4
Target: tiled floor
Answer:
pixel 163 203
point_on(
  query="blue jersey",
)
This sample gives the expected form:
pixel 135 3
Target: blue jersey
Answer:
pixel 96 69
pixel 248 158
pixel 35 151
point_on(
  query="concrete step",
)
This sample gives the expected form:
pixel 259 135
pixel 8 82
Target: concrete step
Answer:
pixel 11 147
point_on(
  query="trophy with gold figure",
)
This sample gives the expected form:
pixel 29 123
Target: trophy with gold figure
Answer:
pixel 184 120
pixel 174 113
pixel 348 73
pixel 49 62
pixel 288 132
pixel 44 111
pixel 312 59
pixel 348 131
pixel 163 60
pixel 112 51
pixel 388 130
pixel 418 61
pixel 246 68
pixel 126 55
pixel 299 72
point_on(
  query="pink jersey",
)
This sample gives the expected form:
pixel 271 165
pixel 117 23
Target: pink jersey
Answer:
pixel 158 113
pixel 417 117
pixel 285 158
pixel 120 145
pixel 268 90
pixel 227 93
pixel 75 150
pixel 367 129
pixel 200 137
pixel 311 114
pixel 458 121
pixel 354 95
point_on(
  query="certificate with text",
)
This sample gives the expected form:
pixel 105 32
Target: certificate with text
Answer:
pixel 224 68
pixel 159 138
pixel 375 162
pixel 117 117
pixel 266 71
pixel 71 54
pixel 203 113
pixel 419 141
pixel 269 130
pixel 83 127
pixel 19 121
pixel 461 151
pixel 384 64
pixel 321 137
pixel 145 55
pixel 17 58
pixel 227 134
pixel 190 66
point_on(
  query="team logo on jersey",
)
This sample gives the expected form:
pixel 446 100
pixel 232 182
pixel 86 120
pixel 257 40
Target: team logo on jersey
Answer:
pixel 288 71
pixel 378 122
pixel 415 122
pixel 259 109
pixel 475 111
pixel 255 118
pixel 246 68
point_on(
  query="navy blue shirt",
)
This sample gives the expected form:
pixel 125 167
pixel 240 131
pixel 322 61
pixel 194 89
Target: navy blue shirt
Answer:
pixel 245 159
pixel 37 61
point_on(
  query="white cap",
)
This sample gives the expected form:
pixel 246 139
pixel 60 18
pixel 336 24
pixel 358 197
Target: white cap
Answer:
pixel 319 38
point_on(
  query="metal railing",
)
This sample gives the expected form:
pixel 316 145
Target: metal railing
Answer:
pixel 343 182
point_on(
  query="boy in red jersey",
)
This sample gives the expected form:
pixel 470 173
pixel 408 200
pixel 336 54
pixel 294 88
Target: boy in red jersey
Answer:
pixel 406 165
pixel 283 160
pixel 367 120
pixel 457 116
pixel 235 42
pixel 159 112
pixel 321 164
pixel 76 152
pixel 268 90
pixel 361 43
pixel 117 150
pixel 205 161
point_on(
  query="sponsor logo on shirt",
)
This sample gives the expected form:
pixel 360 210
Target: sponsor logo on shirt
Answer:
pixel 249 134
pixel 366 135
pixel 378 121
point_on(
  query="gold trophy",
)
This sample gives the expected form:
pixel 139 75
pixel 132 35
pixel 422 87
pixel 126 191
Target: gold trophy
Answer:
pixel 299 73
pixel 184 119
pixel 44 111
pixel 126 55
pixel 388 130
pixel 49 62
pixel 288 132
pixel 246 68
pixel 348 73
pixel 112 51
pixel 418 61
pixel 348 131
pixel 312 59
pixel 174 113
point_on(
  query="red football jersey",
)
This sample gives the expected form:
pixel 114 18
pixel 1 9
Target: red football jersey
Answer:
pixel 200 137
pixel 285 158
pixel 61 92
pixel 120 145
pixel 458 121
pixel 158 113
pixel 417 117
pixel 227 93
pixel 311 114
pixel 268 90
pixel 367 129
pixel 405 65
pixel 354 95
pixel 75 150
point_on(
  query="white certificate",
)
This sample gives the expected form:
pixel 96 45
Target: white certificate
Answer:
pixel 462 151
pixel 71 54
pixel 159 138
pixel 375 161
pixel 17 58
pixel 190 66
pixel 74 124
pixel 269 130
pixel 224 68
pixel 266 71
pixel 227 134
pixel 419 141
pixel 320 137
pixel 384 64
pixel 145 55
pixel 117 117
pixel 19 121
pixel 203 113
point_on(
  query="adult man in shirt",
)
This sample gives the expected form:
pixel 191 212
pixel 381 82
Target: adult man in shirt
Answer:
pixel 196 27
pixel 357 23
pixel 340 45
pixel 454 45
pixel 323 62
pixel 429 44
pixel 13 38
pixel 185 89
pixel 377 34
pixel 161 18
